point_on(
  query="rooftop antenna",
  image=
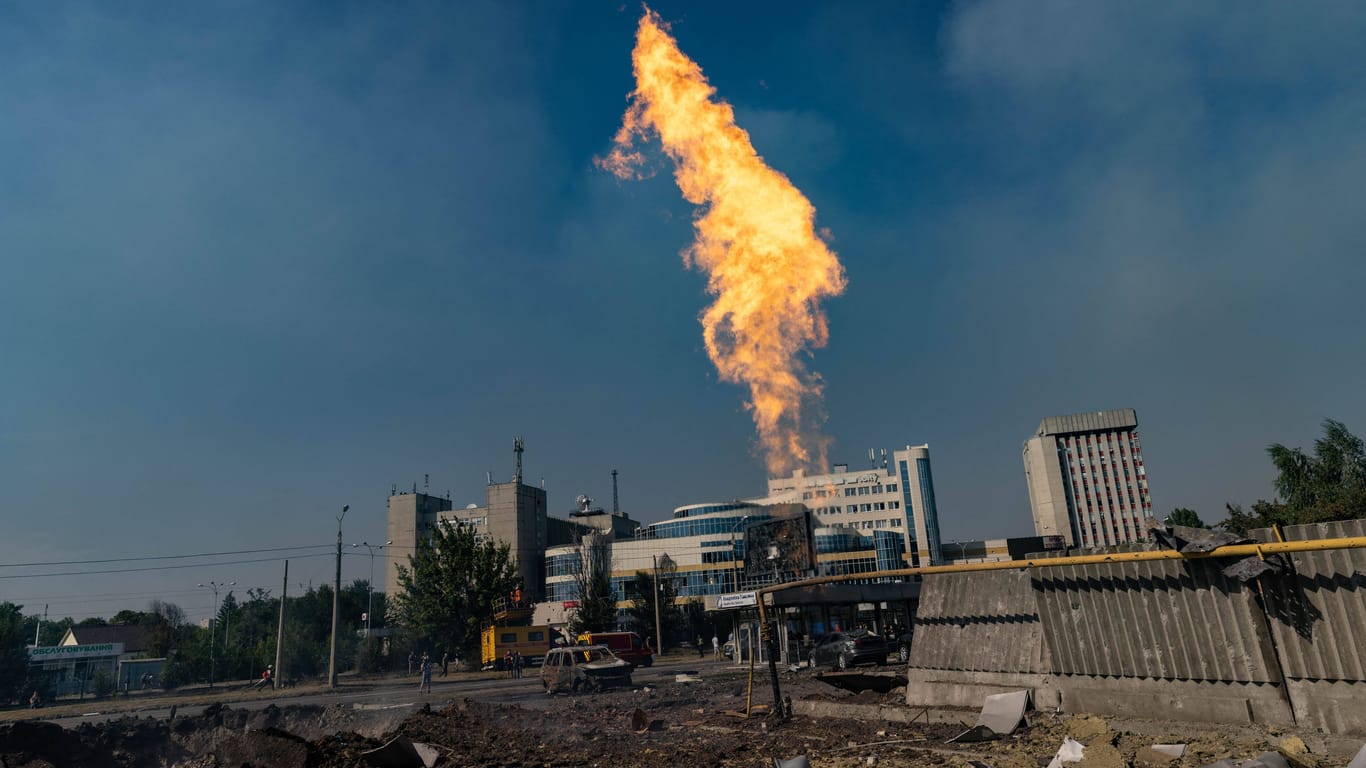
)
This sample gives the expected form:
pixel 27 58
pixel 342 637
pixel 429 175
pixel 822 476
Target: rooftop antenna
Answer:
pixel 489 475
pixel 426 483
pixel 884 458
pixel 518 445
pixel 393 489
pixel 872 458
pixel 616 508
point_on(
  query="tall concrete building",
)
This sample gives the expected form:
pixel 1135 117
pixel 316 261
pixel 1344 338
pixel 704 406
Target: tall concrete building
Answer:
pixel 1086 479
pixel 514 513
pixel 411 518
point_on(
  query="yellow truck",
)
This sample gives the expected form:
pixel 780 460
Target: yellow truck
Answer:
pixel 495 642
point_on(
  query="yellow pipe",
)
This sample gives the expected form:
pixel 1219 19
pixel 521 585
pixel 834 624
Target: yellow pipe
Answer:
pixel 1231 550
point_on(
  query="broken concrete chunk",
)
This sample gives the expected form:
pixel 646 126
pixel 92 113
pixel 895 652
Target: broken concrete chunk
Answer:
pixel 1174 750
pixel 1293 745
pixel 799 761
pixel 1151 757
pixel 1360 760
pixel 1267 760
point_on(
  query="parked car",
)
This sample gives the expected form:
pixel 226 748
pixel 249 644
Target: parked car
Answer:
pixel 583 668
pixel 843 650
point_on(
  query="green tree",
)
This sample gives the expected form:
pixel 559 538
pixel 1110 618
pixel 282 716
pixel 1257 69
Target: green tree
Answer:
pixel 644 590
pixel 1263 514
pixel 597 609
pixel 13 652
pixel 447 590
pixel 1328 485
pixel 1186 517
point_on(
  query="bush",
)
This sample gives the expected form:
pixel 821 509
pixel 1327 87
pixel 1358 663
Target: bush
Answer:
pixel 102 684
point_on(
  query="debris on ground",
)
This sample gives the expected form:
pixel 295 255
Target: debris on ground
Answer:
pixel 697 725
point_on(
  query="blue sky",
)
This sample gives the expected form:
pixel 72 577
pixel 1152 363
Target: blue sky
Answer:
pixel 258 261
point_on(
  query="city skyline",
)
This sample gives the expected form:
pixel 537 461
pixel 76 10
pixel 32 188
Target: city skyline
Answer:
pixel 259 263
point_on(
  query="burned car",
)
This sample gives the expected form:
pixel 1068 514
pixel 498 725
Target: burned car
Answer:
pixel 583 668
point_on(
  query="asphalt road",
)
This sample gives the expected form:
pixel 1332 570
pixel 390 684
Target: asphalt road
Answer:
pixel 389 694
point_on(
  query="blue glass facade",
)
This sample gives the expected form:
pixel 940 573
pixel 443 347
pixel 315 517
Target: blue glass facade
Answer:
pixel 890 546
pixel 907 501
pixel 928 508
pixel 711 526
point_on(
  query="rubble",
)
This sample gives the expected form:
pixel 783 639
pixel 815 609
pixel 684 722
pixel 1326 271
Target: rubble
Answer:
pixel 697 725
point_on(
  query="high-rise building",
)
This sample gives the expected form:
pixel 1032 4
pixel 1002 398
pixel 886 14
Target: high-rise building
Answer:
pixel 1086 479
pixel 897 498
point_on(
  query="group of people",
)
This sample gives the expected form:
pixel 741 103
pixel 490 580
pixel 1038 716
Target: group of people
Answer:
pixel 513 664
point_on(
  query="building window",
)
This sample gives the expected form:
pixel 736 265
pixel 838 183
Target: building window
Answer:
pixel 851 509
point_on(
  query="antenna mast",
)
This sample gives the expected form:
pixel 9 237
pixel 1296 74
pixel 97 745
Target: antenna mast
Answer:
pixel 615 507
pixel 518 445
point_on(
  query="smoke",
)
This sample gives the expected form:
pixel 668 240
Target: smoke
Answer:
pixel 756 242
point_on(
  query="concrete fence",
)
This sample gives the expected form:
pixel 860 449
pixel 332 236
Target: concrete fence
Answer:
pixel 1170 638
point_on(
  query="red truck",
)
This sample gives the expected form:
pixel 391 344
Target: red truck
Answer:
pixel 626 645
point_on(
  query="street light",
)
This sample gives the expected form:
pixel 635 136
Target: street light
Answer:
pixel 734 553
pixel 336 605
pixel 370 600
pixel 215 586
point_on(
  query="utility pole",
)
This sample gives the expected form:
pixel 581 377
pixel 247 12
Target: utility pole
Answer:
pixel 336 604
pixel 280 631
pixel 39 628
pixel 659 637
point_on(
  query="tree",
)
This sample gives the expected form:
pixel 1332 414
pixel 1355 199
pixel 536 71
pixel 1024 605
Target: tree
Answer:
pixel 13 651
pixel 644 590
pixel 1330 484
pixel 447 590
pixel 1186 517
pixel 1264 514
pixel 597 609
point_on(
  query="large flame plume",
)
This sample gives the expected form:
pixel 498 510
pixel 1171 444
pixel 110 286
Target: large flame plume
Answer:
pixel 756 242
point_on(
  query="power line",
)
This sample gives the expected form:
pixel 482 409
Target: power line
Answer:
pixel 160 567
pixel 163 557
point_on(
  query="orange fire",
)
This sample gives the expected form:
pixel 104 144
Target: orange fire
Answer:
pixel 756 242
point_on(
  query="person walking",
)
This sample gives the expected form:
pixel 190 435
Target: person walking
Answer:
pixel 700 654
pixel 426 684
pixel 517 664
pixel 411 659
pixel 715 647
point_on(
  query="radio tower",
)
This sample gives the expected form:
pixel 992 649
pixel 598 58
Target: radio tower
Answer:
pixel 518 445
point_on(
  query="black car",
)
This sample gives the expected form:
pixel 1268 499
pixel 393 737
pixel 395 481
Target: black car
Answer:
pixel 843 650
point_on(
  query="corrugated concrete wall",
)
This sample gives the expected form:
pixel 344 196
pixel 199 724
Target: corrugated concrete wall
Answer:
pixel 977 634
pixel 1147 638
pixel 978 622
pixel 1317 617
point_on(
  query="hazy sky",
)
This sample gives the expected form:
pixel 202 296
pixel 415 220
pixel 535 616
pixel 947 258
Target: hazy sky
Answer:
pixel 260 260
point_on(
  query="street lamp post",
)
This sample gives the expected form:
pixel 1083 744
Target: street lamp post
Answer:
pixel 336 605
pixel 370 599
pixel 213 626
pixel 734 553
pixel 659 639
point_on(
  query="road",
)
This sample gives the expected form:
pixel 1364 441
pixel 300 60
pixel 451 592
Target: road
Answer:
pixel 387 694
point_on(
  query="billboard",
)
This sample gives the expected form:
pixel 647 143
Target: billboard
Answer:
pixel 782 548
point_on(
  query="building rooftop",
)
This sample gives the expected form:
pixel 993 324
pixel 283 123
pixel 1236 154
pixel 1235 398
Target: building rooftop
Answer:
pixel 1095 421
